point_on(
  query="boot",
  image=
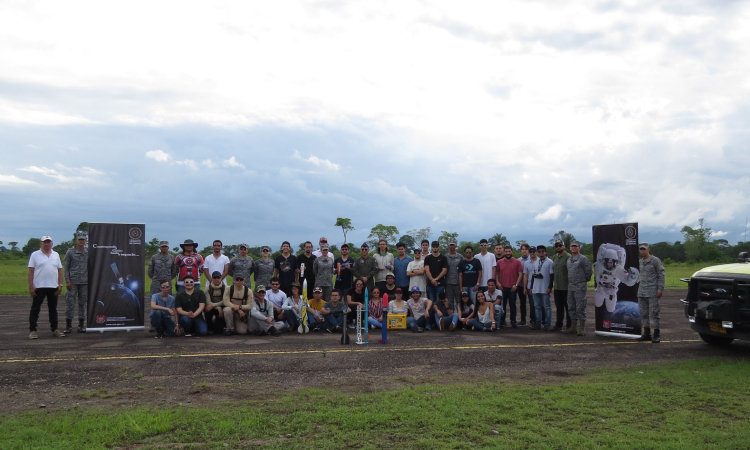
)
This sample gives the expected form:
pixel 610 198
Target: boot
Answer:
pixel 570 330
pixel 646 336
pixel 68 328
pixel 656 338
pixel 581 328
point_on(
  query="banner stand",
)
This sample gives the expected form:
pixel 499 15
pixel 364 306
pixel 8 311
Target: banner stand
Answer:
pixel 616 279
pixel 116 277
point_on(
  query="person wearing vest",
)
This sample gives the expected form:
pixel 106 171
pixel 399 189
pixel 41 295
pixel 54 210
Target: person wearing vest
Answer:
pixel 236 306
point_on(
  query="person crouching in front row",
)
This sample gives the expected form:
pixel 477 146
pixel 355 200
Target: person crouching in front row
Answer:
pixel 261 315
pixel 236 306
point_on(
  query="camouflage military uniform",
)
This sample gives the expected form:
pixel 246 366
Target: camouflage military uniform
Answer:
pixel 243 267
pixel 160 268
pixel 652 280
pixel 579 273
pixel 77 274
pixel 264 271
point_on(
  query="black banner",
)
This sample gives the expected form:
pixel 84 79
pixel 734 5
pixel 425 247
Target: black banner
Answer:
pixel 616 280
pixel 116 276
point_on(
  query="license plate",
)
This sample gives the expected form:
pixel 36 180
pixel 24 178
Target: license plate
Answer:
pixel 716 327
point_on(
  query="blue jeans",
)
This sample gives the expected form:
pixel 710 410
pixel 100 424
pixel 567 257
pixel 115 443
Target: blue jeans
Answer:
pixel 332 321
pixel 196 325
pixel 162 321
pixel 499 312
pixel 541 303
pixel 472 293
pixel 374 322
pixel 416 323
pixel 434 291
pixel 445 319
pixel 481 326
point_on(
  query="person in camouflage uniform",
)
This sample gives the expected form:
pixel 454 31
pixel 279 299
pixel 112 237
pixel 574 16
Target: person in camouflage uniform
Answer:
pixel 76 266
pixel 264 267
pixel 579 273
pixel 649 292
pixel 323 270
pixel 161 267
pixel 242 265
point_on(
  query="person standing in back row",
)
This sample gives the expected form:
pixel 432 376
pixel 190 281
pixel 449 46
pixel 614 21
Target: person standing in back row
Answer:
pixel 579 273
pixel 76 266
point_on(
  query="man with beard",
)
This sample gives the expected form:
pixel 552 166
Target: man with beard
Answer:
pixel 509 272
pixel 343 265
pixel 304 268
pixel 365 268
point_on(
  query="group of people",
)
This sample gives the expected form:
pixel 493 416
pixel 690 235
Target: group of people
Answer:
pixel 473 290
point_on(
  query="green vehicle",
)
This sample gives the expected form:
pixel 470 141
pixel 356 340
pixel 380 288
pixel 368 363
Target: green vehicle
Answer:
pixel 718 302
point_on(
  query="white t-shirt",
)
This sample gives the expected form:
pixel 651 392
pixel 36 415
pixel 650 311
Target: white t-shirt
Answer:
pixel 277 299
pixel 45 269
pixel 418 280
pixel 214 264
pixel 488 263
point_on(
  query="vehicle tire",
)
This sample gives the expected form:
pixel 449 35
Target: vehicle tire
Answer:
pixel 715 340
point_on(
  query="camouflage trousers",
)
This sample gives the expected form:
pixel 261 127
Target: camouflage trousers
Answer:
pixel 577 304
pixel 452 293
pixel 650 309
pixel 78 293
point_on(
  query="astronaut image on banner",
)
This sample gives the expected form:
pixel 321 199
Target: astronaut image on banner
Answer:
pixel 609 272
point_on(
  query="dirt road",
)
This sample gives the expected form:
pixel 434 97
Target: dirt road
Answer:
pixel 133 368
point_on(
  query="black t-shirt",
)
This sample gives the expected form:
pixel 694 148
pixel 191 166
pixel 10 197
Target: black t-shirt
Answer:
pixel 470 269
pixel 443 309
pixel 357 298
pixel 391 293
pixel 308 273
pixel 436 265
pixel 286 268
pixel 190 303
pixel 344 281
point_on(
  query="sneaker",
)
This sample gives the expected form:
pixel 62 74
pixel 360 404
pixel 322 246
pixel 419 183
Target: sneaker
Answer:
pixel 67 330
pixel 487 329
pixel 452 327
pixel 546 327
pixel 33 335
pixel 413 330
pixel 329 330
pixel 513 324
pixel 556 328
pixel 352 326
pixel 522 323
pixel 56 333
pixel 421 330
pixel 158 336
pixel 188 335
pixel 316 329
pixel 534 327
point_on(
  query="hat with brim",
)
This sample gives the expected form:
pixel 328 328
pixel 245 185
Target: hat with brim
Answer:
pixel 189 242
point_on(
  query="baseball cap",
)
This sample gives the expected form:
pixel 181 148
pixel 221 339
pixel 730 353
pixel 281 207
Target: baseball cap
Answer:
pixel 216 274
pixel 46 238
pixel 415 289
pixel 317 289
pixel 260 288
pixel 644 245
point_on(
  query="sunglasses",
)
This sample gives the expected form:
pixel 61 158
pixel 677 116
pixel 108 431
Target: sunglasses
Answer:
pixel 165 286
pixel 189 282
pixel 468 251
pixel 239 279
pixel 264 251
pixel 483 245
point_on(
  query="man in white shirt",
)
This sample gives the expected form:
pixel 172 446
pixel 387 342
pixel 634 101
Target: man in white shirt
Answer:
pixel 216 262
pixel 45 281
pixel 488 261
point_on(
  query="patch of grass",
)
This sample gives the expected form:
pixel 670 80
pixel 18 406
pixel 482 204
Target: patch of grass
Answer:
pixel 158 388
pixel 680 406
pixel 137 375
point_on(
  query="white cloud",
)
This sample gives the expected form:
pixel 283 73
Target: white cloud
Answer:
pixel 552 213
pixel 232 162
pixel 188 163
pixel 719 234
pixel 158 155
pixel 208 163
pixel 74 176
pixel 322 163
pixel 10 180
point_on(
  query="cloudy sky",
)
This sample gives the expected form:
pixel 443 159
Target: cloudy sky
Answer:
pixel 265 121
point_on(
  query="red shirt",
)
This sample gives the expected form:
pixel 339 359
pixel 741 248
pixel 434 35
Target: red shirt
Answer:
pixel 509 270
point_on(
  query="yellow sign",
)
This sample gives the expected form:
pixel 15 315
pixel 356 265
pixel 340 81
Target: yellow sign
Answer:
pixel 396 321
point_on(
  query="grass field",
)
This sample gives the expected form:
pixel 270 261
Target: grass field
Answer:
pixel 13 276
pixel 681 406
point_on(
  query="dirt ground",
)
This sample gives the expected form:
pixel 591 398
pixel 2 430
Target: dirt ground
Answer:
pixel 132 368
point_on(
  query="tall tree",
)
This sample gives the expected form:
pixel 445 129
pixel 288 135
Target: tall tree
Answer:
pixel 345 224
pixel 445 238
pixel 409 241
pixel 567 238
pixel 33 245
pixel 520 242
pixel 152 246
pixel 498 238
pixel 420 235
pixel 698 245
pixel 380 231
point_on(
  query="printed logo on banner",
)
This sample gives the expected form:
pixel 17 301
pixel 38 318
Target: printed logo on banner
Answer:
pixel 606 324
pixel 631 236
pixel 135 236
pixel 101 319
